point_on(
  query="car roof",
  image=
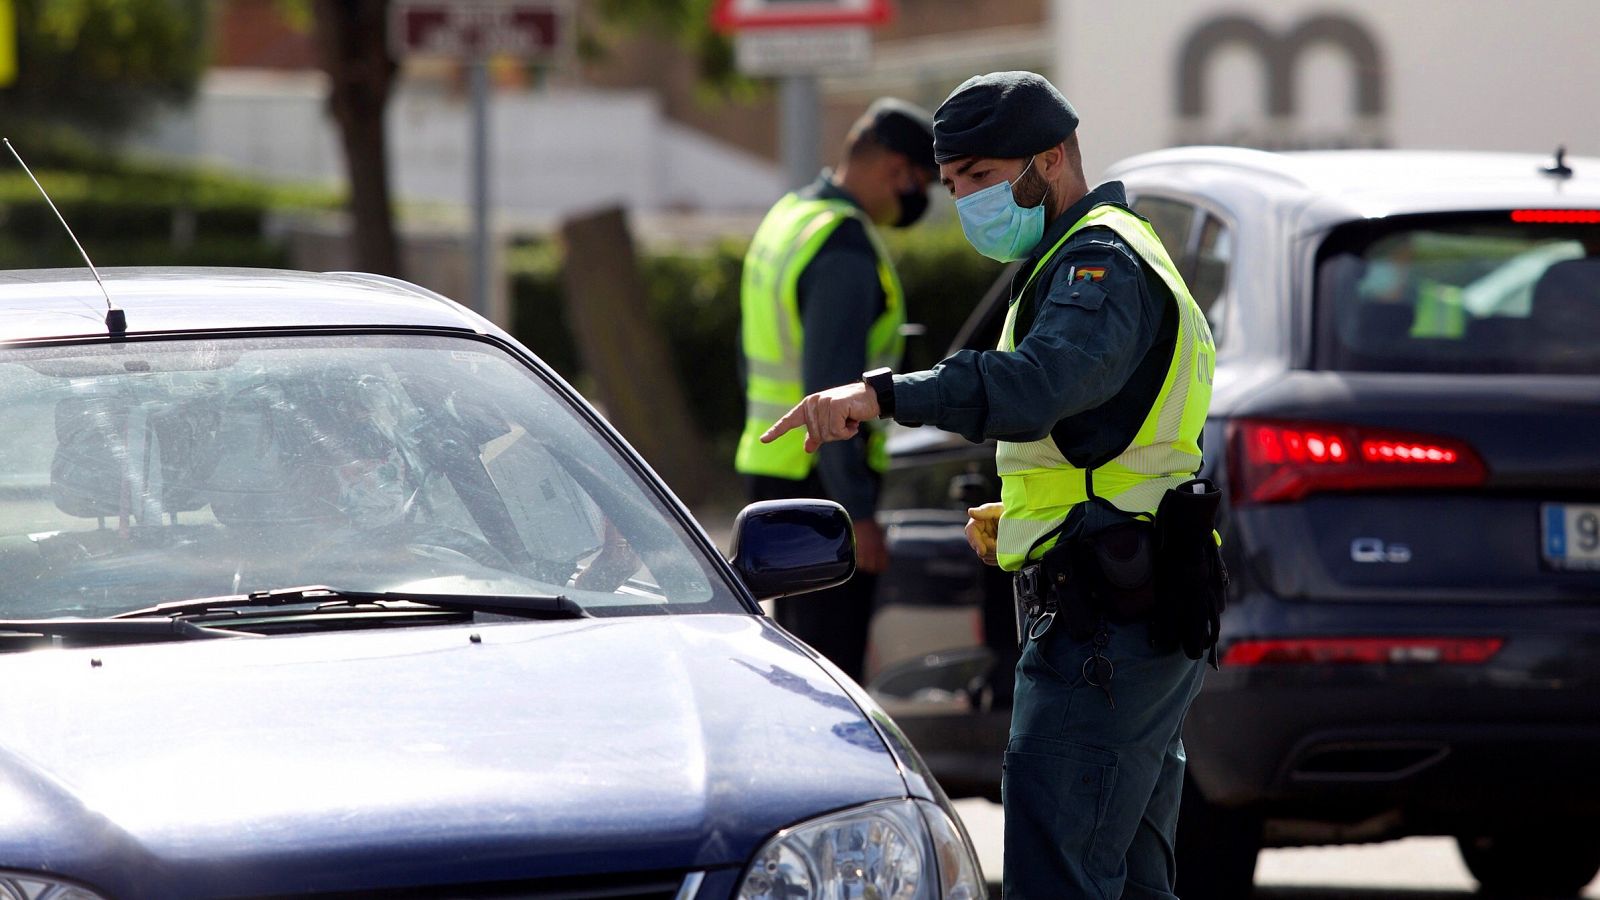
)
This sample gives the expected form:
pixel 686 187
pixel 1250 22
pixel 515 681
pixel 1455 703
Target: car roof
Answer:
pixel 1340 185
pixel 64 303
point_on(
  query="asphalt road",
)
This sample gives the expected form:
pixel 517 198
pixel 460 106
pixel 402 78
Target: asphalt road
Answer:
pixel 1412 869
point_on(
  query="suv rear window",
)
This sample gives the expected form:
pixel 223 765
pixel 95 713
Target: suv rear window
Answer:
pixel 1479 292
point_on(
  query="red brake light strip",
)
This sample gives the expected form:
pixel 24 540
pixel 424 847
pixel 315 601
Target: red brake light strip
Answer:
pixel 1557 216
pixel 1363 651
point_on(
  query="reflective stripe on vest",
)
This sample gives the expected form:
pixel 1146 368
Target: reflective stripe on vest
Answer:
pixel 771 334
pixel 1039 486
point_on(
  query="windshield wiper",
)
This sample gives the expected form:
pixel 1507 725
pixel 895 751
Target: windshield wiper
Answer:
pixel 115 630
pixel 534 606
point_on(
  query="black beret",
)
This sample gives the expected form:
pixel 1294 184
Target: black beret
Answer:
pixel 904 128
pixel 1006 115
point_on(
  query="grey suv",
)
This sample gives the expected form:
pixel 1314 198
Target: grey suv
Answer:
pixel 1407 428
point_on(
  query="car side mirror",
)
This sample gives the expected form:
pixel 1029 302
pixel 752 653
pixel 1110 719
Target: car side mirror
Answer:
pixel 787 547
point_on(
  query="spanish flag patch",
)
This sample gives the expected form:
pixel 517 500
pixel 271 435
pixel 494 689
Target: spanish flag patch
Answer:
pixel 1090 273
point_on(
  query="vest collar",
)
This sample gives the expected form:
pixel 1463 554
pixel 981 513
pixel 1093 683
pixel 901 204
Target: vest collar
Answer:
pixel 823 188
pixel 1110 192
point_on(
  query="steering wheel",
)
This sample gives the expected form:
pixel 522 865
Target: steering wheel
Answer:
pixel 446 537
pixel 382 543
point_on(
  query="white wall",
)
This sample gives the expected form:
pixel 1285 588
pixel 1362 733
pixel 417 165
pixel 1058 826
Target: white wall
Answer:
pixel 1455 74
pixel 552 152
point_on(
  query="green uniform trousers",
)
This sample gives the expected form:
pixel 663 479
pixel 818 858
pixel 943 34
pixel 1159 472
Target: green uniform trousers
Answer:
pixel 1091 792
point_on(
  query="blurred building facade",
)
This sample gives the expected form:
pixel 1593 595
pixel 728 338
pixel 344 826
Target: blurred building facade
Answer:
pixel 572 143
pixel 629 124
pixel 634 124
pixel 1310 74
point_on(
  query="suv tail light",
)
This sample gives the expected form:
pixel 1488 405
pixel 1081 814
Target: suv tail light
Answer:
pixel 1276 461
pixel 1363 651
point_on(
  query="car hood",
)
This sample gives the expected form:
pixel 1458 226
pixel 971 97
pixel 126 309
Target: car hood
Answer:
pixel 439 755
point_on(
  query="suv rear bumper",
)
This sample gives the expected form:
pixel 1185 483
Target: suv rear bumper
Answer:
pixel 1515 738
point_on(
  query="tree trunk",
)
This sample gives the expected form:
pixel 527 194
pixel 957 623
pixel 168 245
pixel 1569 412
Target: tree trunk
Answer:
pixel 626 354
pixel 351 42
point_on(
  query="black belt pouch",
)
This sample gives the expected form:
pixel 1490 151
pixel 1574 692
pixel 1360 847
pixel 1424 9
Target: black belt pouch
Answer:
pixel 1190 578
pixel 1104 570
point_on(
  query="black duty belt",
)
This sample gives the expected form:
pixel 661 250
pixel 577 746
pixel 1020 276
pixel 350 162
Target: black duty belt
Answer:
pixel 1037 610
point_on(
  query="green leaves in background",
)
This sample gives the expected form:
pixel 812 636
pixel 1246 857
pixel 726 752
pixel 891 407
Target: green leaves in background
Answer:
pixel 130 213
pixel 686 21
pixel 101 64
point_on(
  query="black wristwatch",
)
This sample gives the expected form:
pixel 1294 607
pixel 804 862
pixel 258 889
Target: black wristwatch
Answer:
pixel 882 383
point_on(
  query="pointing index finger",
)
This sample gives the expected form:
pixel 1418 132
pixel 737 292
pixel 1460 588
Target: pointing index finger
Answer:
pixel 792 419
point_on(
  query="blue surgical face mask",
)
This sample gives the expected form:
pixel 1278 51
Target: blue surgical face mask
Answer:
pixel 996 226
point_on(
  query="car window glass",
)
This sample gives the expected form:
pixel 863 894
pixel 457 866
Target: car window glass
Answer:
pixel 1213 256
pixel 1460 293
pixel 1172 220
pixel 165 471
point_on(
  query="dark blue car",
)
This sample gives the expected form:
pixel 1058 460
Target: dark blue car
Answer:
pixel 321 586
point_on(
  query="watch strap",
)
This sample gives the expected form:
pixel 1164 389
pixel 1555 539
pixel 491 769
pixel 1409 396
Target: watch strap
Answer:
pixel 882 383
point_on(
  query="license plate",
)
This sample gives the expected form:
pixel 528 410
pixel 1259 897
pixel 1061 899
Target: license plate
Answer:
pixel 1572 535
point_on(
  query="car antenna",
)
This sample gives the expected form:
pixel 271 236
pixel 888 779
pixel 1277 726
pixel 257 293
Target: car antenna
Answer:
pixel 1560 169
pixel 116 319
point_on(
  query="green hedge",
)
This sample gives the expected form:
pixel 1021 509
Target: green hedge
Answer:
pixel 131 213
pixel 694 299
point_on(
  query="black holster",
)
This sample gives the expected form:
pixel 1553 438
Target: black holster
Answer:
pixel 1127 568
pixel 1107 574
pixel 1190 577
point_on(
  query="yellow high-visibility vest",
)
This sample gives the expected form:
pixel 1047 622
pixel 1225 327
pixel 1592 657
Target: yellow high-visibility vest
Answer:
pixel 8 43
pixel 1440 312
pixel 771 334
pixel 1039 486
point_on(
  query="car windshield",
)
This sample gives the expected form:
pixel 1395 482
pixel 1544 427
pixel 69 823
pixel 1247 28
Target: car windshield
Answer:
pixel 1483 292
pixel 148 472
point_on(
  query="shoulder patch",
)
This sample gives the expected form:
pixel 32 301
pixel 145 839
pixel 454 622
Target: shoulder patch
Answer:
pixel 1085 294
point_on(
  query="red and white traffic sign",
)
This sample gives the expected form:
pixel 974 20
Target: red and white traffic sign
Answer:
pixel 477 29
pixel 803 51
pixel 740 15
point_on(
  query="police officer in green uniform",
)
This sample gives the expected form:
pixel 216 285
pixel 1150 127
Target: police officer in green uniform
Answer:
pixel 820 302
pixel 1096 397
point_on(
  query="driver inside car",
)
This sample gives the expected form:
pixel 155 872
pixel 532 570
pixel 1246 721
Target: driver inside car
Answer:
pixel 318 465
pixel 308 465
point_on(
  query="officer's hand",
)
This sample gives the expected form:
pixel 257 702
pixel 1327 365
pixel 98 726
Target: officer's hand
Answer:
pixel 872 549
pixel 835 414
pixel 983 529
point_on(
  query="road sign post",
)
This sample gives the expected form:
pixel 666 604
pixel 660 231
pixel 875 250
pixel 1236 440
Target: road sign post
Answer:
pixel 474 32
pixel 800 121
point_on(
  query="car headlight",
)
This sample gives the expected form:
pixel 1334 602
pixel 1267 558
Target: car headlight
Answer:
pixel 893 850
pixel 28 886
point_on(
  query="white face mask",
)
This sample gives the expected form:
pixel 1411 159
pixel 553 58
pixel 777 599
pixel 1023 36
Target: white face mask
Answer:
pixel 996 226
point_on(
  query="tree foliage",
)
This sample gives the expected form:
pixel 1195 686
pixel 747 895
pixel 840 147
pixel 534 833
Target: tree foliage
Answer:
pixel 689 23
pixel 101 64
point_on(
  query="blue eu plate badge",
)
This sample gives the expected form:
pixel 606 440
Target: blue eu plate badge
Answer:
pixel 1571 535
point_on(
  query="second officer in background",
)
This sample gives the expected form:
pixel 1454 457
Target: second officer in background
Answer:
pixel 820 302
